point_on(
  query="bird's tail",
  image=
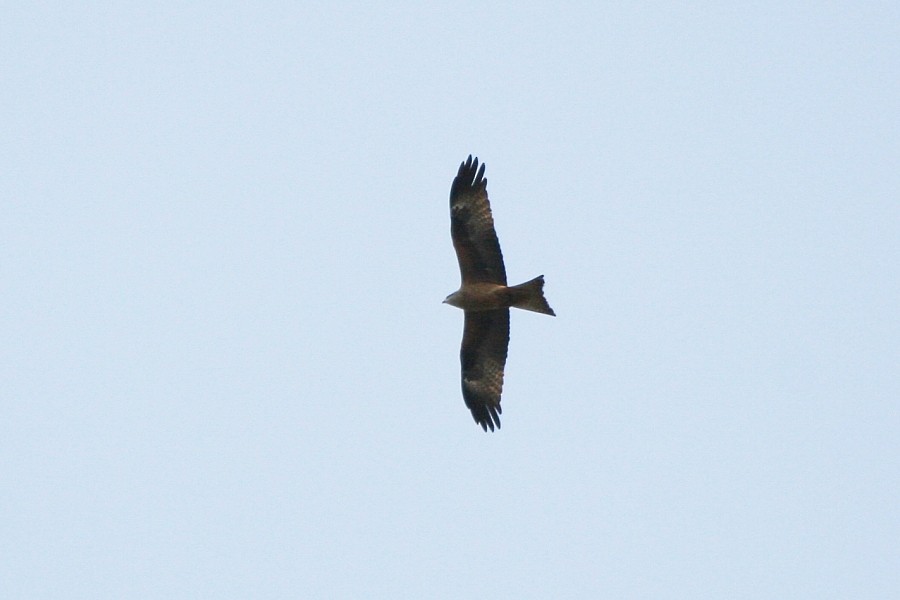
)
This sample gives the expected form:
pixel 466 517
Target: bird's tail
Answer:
pixel 530 296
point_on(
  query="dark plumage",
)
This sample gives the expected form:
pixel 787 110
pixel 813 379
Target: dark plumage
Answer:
pixel 484 295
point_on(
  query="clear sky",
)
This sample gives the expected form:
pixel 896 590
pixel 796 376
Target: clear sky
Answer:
pixel 225 368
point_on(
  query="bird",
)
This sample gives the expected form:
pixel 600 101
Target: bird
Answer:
pixel 484 295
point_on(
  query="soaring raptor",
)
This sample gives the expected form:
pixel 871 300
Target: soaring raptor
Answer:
pixel 484 295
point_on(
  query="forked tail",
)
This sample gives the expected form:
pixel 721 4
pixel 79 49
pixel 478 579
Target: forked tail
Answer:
pixel 530 296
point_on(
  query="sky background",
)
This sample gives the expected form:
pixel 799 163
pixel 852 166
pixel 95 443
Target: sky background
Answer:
pixel 226 371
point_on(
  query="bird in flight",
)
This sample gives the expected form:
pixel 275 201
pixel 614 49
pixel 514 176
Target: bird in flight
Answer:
pixel 484 295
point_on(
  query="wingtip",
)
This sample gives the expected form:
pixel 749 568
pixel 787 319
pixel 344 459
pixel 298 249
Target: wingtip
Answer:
pixel 470 162
pixel 489 424
pixel 490 419
pixel 470 174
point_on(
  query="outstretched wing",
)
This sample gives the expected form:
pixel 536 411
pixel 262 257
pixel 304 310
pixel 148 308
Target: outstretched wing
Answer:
pixel 483 357
pixel 472 227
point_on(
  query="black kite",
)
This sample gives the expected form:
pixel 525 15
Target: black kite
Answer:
pixel 484 295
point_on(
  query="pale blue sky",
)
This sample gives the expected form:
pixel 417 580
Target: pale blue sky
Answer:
pixel 226 371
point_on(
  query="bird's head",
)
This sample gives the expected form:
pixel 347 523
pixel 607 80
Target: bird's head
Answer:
pixel 453 299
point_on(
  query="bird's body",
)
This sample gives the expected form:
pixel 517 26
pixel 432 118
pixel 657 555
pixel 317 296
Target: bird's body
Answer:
pixel 484 295
pixel 492 296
